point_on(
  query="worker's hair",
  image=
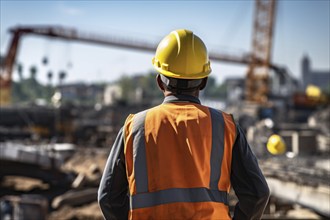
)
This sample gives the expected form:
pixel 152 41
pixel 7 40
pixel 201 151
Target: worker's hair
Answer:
pixel 181 86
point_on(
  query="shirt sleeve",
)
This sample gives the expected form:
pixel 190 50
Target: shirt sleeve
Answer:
pixel 113 190
pixel 247 180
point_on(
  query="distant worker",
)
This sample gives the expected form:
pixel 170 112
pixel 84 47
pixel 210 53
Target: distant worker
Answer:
pixel 179 159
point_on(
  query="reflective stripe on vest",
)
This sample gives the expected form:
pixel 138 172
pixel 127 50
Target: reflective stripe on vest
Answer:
pixel 166 196
pixel 139 153
pixel 218 133
pixel 143 198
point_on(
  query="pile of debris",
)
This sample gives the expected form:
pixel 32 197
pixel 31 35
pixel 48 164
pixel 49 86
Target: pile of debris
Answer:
pixel 72 196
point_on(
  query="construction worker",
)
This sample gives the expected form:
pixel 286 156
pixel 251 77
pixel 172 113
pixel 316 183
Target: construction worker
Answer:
pixel 179 159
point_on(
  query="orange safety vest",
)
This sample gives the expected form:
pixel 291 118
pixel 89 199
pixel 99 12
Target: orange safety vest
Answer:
pixel 178 162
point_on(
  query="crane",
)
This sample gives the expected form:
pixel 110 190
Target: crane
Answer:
pixel 259 61
pixel 257 85
pixel 72 34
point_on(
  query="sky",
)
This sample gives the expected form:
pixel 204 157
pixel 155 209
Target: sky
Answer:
pixel 301 28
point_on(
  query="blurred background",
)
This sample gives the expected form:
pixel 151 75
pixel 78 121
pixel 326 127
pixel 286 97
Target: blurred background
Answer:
pixel 72 71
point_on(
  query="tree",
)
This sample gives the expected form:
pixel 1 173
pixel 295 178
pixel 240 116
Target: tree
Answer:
pixel 50 77
pixel 62 75
pixel 149 86
pixel 212 89
pixel 33 72
pixel 127 86
pixel 28 90
pixel 20 71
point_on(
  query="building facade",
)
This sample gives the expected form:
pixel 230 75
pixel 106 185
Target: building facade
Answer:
pixel 314 77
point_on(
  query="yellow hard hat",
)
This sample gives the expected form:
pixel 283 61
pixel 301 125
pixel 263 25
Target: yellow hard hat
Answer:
pixel 313 92
pixel 276 145
pixel 182 55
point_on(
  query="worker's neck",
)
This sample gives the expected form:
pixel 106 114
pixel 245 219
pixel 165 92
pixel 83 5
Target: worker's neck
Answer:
pixel 193 93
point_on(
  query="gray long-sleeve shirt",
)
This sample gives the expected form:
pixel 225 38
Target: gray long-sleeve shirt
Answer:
pixel 247 180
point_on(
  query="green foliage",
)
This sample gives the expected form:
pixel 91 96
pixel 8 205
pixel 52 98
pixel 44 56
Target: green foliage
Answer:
pixel 33 72
pixel 213 90
pixel 127 85
pixel 20 70
pixel 147 82
pixel 28 90
pixel 149 86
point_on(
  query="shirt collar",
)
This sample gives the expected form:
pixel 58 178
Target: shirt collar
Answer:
pixel 181 98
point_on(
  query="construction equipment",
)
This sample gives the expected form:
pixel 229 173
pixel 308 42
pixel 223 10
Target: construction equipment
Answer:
pixel 72 34
pixel 257 78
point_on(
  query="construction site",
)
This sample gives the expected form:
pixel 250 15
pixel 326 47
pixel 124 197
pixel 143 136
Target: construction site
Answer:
pixel 52 154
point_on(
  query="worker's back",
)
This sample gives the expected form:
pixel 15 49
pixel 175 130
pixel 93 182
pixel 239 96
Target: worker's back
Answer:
pixel 178 159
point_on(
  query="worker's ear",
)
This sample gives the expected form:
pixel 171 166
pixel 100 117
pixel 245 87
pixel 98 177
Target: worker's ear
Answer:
pixel 160 83
pixel 203 84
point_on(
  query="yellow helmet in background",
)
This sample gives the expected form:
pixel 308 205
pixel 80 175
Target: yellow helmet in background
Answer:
pixel 313 92
pixel 276 145
pixel 182 55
